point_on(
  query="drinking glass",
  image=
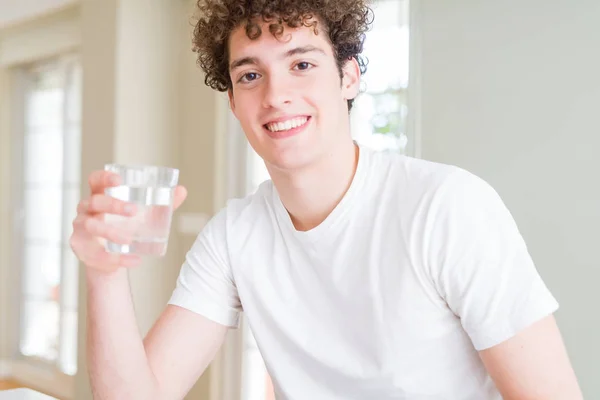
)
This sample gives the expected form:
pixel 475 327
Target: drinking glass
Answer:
pixel 151 189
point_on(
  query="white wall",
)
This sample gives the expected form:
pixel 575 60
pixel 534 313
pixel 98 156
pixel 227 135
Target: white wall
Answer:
pixel 510 90
pixel 42 38
pixel 14 12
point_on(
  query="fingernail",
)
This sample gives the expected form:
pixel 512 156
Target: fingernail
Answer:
pixel 130 209
pixel 114 179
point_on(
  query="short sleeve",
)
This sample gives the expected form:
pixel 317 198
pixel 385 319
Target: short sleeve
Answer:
pixel 480 262
pixel 205 284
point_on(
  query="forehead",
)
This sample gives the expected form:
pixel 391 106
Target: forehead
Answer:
pixel 240 45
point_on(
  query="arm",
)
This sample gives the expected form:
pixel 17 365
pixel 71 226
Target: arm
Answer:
pixel 533 365
pixel 122 365
pixel 164 366
pixel 179 348
pixel 484 271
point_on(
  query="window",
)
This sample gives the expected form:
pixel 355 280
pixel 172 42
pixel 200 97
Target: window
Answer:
pixel 49 139
pixel 378 120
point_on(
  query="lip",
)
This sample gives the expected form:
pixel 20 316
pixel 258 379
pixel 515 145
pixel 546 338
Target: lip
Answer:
pixel 286 118
pixel 289 133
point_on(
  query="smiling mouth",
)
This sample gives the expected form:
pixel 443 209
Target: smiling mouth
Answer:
pixel 287 125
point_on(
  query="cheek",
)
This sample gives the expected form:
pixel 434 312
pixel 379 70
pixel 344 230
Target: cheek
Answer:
pixel 246 106
pixel 322 89
pixel 328 99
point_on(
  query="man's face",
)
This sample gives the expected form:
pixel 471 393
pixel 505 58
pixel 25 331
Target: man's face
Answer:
pixel 288 96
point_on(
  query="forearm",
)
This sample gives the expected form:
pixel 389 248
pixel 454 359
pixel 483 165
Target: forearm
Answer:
pixel 117 362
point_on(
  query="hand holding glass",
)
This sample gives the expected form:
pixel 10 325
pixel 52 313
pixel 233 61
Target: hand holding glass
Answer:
pixel 151 189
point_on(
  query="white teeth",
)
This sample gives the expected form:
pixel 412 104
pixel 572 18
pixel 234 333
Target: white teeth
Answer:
pixel 287 125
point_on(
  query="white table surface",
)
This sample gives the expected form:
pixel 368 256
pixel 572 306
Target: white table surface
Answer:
pixel 23 394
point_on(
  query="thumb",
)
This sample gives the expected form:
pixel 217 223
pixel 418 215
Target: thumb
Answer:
pixel 179 196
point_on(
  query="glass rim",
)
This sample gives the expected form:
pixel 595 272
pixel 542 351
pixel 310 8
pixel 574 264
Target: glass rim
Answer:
pixel 140 166
pixel 153 175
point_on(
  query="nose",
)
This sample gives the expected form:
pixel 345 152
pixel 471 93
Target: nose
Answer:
pixel 277 92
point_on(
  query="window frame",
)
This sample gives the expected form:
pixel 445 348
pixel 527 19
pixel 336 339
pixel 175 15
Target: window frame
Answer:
pixel 32 370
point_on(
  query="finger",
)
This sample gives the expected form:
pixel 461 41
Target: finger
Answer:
pixel 99 180
pixel 98 228
pixel 78 222
pixel 93 254
pixel 179 197
pixel 100 203
pixel 83 207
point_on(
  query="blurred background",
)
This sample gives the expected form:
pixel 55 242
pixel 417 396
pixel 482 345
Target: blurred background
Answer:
pixel 508 90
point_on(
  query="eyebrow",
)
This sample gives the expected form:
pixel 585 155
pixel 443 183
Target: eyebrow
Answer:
pixel 290 53
pixel 303 50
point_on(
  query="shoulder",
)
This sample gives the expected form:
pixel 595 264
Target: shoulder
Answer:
pixel 464 191
pixel 242 212
pixel 414 179
pixel 426 191
pixel 252 205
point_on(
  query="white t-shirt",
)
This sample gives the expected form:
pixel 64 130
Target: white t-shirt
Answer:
pixel 418 267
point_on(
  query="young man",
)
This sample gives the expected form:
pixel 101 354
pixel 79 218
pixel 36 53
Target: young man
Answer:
pixel 364 275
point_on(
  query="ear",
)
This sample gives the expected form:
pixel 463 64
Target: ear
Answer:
pixel 350 79
pixel 231 101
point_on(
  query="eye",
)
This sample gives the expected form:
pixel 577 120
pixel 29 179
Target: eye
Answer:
pixel 303 66
pixel 249 77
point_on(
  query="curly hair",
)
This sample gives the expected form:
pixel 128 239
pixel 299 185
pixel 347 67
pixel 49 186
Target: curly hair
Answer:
pixel 345 23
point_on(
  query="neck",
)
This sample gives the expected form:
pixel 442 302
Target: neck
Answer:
pixel 310 194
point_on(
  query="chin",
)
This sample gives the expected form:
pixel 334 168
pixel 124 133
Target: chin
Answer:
pixel 292 158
